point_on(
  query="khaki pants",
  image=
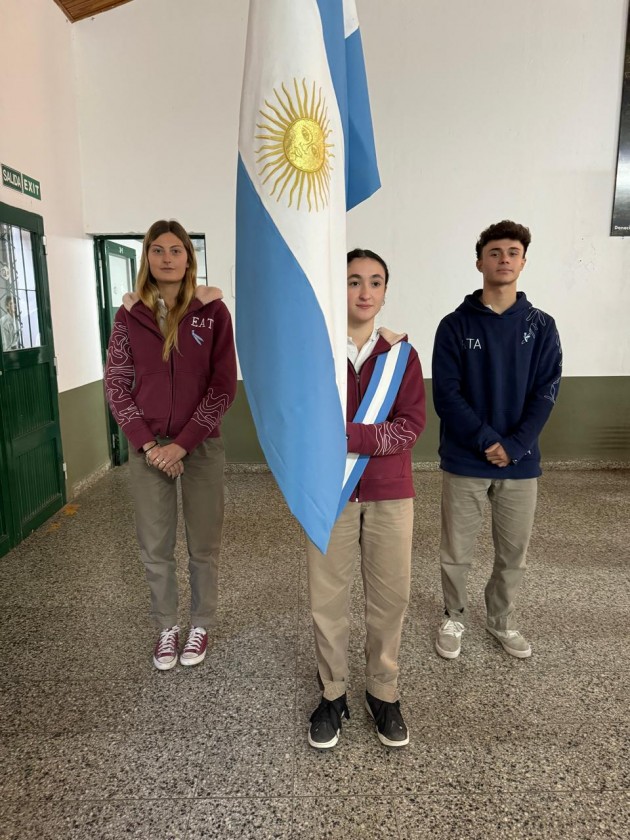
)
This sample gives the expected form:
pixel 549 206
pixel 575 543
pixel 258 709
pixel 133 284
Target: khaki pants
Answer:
pixel 155 500
pixel 513 503
pixel 383 532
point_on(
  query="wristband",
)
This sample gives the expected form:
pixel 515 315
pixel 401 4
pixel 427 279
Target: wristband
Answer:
pixel 155 443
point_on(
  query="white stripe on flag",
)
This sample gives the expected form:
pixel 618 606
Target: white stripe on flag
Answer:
pixel 350 17
pixel 286 43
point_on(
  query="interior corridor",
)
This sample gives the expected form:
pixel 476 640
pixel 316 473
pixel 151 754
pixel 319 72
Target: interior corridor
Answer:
pixel 98 744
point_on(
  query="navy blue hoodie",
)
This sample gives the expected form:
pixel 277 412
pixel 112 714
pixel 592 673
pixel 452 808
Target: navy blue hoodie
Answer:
pixel 495 380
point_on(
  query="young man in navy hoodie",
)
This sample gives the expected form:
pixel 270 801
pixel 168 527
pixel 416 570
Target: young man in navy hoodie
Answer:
pixel 496 372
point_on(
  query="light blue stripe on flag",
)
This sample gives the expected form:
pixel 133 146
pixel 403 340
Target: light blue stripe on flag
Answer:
pixel 291 389
pixel 347 68
pixel 294 181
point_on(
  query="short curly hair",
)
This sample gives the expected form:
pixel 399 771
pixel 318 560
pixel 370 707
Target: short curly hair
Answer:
pixel 504 230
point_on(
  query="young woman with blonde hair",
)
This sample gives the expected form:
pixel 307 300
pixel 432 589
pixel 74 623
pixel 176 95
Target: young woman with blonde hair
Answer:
pixel 170 377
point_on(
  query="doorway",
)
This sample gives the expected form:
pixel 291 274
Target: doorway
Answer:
pixel 32 485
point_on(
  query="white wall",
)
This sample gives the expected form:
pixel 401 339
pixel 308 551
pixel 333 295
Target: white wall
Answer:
pixel 496 109
pixel 39 135
pixel 482 111
pixel 159 90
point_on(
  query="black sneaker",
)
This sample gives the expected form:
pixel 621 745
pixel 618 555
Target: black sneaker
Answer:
pixel 325 725
pixel 390 726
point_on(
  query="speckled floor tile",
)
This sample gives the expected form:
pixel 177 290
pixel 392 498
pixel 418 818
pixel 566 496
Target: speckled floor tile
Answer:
pixel 66 820
pixel 248 763
pixel 114 653
pixel 91 746
pixel 256 649
pixel 103 766
pixel 528 815
pixel 358 763
pixel 581 761
pixel 350 818
pixel 241 819
pixel 79 708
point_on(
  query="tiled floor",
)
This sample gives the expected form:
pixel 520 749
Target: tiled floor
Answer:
pixel 97 744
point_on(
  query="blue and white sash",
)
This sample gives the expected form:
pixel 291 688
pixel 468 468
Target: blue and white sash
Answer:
pixel 375 406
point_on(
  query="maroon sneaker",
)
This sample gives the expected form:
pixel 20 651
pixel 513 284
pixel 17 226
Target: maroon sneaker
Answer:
pixel 195 648
pixel 165 653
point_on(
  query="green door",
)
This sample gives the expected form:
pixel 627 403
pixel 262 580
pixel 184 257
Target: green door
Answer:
pixel 118 276
pixel 32 485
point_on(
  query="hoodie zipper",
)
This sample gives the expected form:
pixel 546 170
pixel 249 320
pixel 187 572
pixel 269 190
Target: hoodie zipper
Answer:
pixel 171 362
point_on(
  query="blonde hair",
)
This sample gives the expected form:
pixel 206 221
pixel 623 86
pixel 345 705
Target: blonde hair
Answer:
pixel 147 288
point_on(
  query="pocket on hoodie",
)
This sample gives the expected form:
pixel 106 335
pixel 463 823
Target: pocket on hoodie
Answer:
pixel 383 467
pixel 150 394
pixel 189 389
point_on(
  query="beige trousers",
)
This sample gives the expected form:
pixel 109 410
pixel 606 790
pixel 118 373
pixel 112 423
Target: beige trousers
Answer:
pixel 155 500
pixel 513 504
pixel 382 533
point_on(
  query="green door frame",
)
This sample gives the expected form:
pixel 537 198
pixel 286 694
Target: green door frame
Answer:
pixel 32 482
pixel 105 250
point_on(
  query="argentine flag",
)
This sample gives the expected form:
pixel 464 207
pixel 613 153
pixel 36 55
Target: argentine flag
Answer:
pixel 306 156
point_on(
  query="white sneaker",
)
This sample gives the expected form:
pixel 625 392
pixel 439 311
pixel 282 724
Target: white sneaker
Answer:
pixel 512 641
pixel 449 638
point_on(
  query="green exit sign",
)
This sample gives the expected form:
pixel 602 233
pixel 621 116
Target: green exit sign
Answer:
pixel 31 187
pixel 22 183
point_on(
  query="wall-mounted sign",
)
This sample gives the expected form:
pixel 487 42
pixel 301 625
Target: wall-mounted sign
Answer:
pixel 22 183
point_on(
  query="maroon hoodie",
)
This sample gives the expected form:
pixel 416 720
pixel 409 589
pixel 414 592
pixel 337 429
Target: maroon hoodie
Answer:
pixel 388 472
pixel 183 398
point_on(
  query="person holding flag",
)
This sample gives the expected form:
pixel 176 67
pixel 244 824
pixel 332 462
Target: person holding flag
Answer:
pixel 386 414
pixel 306 157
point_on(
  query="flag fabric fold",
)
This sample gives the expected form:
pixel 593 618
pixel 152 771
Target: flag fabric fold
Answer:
pixel 306 155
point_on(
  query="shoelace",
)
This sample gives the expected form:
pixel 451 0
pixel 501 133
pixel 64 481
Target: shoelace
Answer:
pixel 388 714
pixel 167 643
pixel 195 640
pixel 453 628
pixel 328 709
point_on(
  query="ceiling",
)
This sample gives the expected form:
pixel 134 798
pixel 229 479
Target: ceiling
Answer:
pixel 79 9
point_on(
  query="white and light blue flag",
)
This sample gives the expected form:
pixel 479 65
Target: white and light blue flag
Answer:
pixel 306 156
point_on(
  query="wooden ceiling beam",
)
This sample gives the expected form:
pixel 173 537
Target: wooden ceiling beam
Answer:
pixel 76 10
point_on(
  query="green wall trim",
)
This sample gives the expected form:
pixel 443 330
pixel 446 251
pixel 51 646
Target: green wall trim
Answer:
pixel 590 422
pixel 239 433
pixel 83 432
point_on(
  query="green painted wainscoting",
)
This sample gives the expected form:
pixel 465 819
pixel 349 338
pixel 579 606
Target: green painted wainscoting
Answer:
pixel 83 433
pixel 591 422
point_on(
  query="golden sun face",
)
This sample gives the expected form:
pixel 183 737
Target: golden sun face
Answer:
pixel 295 152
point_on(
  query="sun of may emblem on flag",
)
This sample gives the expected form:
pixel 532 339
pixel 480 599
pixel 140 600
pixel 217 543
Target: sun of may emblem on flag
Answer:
pixel 295 151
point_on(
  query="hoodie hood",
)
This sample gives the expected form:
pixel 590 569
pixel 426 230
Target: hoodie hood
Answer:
pixel 473 302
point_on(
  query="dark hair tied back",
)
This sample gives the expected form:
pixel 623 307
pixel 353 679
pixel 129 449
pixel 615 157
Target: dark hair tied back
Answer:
pixel 365 253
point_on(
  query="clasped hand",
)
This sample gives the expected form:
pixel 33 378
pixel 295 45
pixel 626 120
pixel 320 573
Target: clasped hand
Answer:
pixel 497 455
pixel 167 458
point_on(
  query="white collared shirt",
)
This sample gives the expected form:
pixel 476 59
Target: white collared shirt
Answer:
pixel 356 356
